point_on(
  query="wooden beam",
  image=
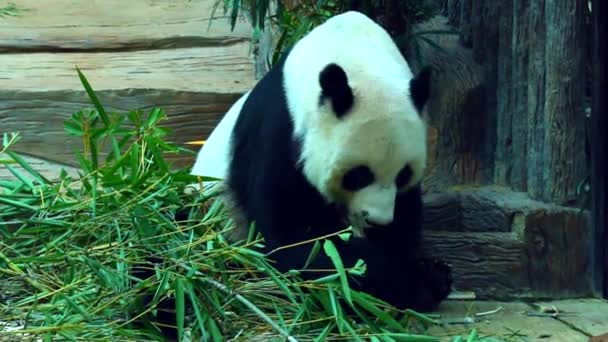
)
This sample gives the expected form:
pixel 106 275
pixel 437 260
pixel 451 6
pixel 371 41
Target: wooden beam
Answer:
pixel 599 146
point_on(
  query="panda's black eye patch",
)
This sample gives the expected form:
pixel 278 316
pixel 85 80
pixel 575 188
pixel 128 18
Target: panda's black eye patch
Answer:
pixel 404 176
pixel 357 178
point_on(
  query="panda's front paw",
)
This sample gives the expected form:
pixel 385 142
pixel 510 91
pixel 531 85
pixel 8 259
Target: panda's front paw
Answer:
pixel 438 277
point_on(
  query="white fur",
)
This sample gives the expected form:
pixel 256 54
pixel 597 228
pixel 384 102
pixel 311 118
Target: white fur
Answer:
pixel 382 131
pixel 213 158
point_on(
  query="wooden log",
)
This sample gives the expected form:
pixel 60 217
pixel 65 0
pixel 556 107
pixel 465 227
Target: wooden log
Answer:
pixel 442 211
pixel 191 116
pixel 490 264
pixel 485 47
pixel 195 86
pixel 466 25
pixel 478 27
pixel 536 146
pixel 65 25
pixel 519 95
pixel 564 94
pixel 456 111
pixel 452 11
pixel 557 254
pixel 503 156
pixel 543 247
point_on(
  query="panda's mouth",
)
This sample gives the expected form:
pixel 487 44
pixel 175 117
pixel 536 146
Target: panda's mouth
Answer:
pixel 357 225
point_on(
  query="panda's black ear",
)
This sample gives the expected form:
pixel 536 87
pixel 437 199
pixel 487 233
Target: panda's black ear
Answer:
pixel 420 88
pixel 334 85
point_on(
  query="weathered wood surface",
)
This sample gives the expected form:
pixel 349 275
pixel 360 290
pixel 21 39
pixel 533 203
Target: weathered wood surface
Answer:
pixel 136 55
pixel 556 251
pixel 490 264
pixel 47 169
pixel 456 111
pixel 564 98
pixel 194 85
pixel 503 155
pixel 214 69
pixel 505 245
pixel 510 323
pixel 588 315
pixel 535 141
pixel 116 24
pixel 531 120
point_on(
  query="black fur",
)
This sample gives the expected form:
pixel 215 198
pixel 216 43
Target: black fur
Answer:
pixel 334 85
pixel 420 88
pixel 274 193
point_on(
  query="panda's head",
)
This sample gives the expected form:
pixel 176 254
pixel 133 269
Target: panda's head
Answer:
pixel 357 115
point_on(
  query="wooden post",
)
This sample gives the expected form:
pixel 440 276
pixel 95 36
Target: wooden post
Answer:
pixel 599 148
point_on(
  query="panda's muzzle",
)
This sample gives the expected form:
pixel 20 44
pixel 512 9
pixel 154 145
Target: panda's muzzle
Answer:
pixel 371 224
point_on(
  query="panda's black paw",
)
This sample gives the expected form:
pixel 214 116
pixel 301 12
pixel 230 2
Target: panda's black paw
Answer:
pixel 438 277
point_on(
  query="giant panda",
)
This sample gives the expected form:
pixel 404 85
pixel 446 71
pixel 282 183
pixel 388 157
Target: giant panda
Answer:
pixel 333 136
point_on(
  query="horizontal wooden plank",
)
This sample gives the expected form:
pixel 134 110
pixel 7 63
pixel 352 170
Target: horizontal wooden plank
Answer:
pixel 39 116
pixel 48 169
pixel 116 24
pixel 223 69
pixel 196 86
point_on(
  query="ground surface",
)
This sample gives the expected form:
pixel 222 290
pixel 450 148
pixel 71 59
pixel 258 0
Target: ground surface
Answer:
pixel 577 320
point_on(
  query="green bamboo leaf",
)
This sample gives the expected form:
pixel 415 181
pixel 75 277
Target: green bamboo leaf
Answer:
pixel 324 333
pixel 73 127
pixel 156 114
pixel 360 298
pixel 472 336
pixel 313 253
pixel 335 307
pixel 21 177
pixel 216 333
pixel 93 97
pixel 180 307
pixel 332 253
pixel 17 204
pixel 404 337
pixel 26 166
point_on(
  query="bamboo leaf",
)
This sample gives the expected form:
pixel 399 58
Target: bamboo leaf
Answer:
pixel 180 308
pixel 93 97
pixel 26 166
pixel 332 252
